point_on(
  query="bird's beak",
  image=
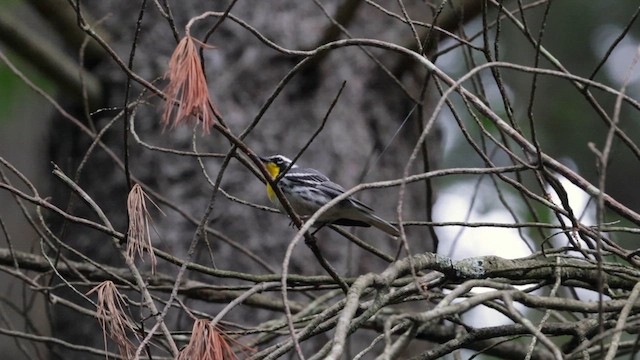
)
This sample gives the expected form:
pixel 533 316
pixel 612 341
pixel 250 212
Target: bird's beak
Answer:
pixel 263 159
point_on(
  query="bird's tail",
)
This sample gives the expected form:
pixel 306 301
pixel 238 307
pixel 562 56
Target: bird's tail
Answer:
pixel 381 224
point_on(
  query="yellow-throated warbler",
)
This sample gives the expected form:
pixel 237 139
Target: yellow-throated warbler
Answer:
pixel 308 189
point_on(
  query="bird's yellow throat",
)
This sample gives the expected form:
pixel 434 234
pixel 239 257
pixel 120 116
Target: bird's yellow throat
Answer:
pixel 273 170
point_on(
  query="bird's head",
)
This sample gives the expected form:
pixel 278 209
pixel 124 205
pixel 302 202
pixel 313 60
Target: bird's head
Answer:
pixel 275 164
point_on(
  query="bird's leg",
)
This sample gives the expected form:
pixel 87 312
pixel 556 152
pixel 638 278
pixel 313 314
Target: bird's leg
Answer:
pixel 303 218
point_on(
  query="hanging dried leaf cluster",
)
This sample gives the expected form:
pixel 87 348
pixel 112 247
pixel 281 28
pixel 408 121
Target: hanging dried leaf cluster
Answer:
pixel 139 236
pixel 187 89
pixel 111 315
pixel 207 343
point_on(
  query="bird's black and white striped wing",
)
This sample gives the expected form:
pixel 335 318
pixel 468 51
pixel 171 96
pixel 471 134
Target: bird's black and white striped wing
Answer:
pixel 334 190
pixel 318 180
pixel 309 177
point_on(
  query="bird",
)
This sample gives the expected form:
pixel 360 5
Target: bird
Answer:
pixel 308 189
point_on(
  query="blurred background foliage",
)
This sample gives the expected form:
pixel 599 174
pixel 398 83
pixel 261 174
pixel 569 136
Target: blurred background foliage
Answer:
pixel 577 32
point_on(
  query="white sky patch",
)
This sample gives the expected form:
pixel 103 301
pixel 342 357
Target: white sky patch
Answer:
pixel 450 131
pixel 459 242
pixel 578 200
pixel 453 205
pixel 620 59
pixel 585 211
